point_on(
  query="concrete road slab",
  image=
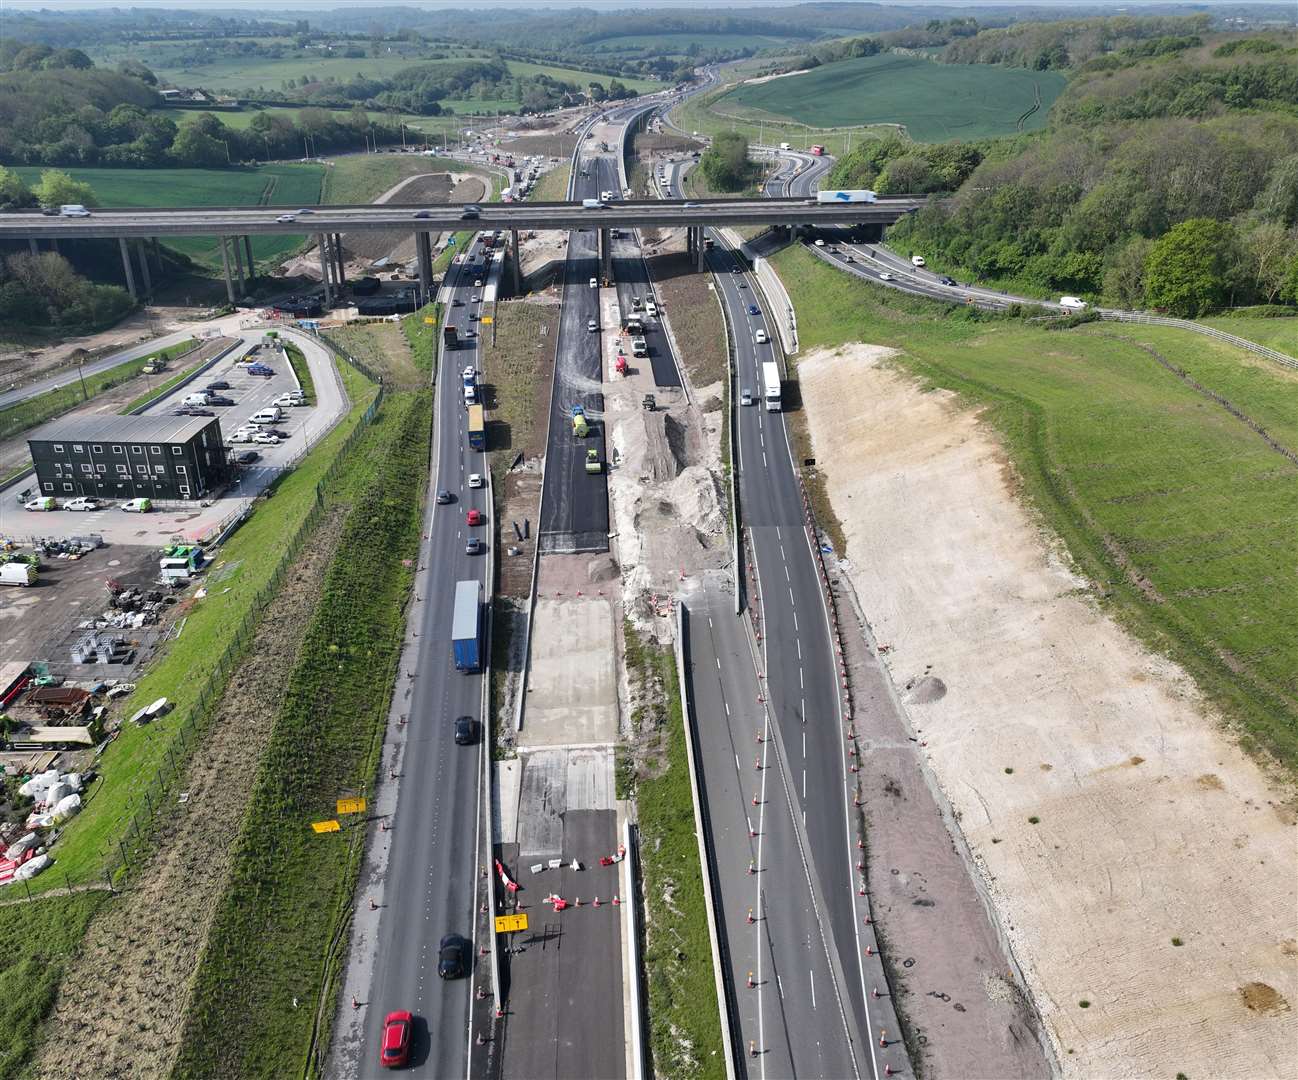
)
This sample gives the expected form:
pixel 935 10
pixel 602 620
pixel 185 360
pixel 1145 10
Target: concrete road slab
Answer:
pixel 572 687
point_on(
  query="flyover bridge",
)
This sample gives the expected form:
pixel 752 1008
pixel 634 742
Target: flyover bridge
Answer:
pixel 132 225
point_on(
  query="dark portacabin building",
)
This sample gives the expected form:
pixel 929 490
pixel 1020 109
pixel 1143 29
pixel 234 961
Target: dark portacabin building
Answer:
pixel 128 457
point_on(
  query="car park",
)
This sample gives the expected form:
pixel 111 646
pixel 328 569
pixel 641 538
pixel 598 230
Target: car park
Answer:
pixel 450 957
pixel 395 1049
pixel 466 731
pixel 473 546
pixel 475 480
pixel 86 502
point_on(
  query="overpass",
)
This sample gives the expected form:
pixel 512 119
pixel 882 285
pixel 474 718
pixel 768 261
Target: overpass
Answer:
pixel 130 225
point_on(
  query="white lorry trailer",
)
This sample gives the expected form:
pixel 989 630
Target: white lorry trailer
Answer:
pixel 771 385
pixel 859 195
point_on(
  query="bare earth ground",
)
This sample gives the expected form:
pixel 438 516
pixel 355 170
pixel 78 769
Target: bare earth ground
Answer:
pixel 122 1000
pixel 1151 824
pixel 21 364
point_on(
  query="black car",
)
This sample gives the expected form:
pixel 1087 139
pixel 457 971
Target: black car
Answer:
pixel 947 280
pixel 450 957
pixel 217 386
pixel 247 457
pixel 217 399
pixel 276 432
pixel 193 410
pixel 466 731
pixel 443 496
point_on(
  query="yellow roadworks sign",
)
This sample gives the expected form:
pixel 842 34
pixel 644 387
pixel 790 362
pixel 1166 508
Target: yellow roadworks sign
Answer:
pixel 486 320
pixel 507 924
pixel 429 320
pixel 351 806
pixel 325 826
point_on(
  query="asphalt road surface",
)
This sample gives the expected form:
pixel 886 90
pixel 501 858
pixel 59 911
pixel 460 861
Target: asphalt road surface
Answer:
pixel 428 887
pixel 574 507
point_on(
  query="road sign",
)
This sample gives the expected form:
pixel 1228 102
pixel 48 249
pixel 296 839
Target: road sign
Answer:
pixel 325 826
pixel 486 320
pixel 351 806
pixel 507 924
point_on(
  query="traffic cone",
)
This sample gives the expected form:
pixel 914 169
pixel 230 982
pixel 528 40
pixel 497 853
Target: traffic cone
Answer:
pixel 757 764
pixel 755 803
pixel 883 1037
pixel 751 920
pixel 373 905
pixel 616 901
pixel 869 951
pixel 597 901
pixel 874 993
pixel 752 867
pixel 887 1069
pixel 752 1048
pixel 759 738
pixel 355 1004
pixel 751 984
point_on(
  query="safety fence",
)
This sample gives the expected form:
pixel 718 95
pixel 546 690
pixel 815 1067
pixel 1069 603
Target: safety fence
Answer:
pixel 1198 328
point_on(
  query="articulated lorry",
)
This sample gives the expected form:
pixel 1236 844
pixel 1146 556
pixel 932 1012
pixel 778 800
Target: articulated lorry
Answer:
pixel 771 384
pixel 466 626
pixel 858 195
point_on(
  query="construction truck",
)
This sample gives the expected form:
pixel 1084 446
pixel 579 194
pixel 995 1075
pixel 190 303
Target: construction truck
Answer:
pixel 593 464
pixel 450 336
pixel 580 428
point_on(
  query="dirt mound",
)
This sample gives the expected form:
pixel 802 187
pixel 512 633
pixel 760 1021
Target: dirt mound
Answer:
pixel 695 500
pixel 925 690
pixel 660 460
pixel 602 568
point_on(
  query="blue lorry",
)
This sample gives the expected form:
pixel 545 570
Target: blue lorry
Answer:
pixel 466 626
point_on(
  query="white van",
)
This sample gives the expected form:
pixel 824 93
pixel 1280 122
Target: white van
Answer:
pixel 199 398
pixel 917 260
pixel 470 395
pixel 1073 303
pixel 639 347
pixel 270 415
pixel 73 210
pixel 650 308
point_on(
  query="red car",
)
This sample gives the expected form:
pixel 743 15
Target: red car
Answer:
pixel 473 517
pixel 396 1040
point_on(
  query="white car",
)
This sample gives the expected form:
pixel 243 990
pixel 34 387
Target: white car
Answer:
pixel 84 503
pixel 288 400
pixel 284 219
pixel 475 480
pixel 475 299
pixel 592 326
pixel 819 242
pixel 477 283
pixel 760 337
pixel 469 372
pixel 885 276
pixel 594 283
pixel 263 437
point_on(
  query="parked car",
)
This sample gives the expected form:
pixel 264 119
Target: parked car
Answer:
pixel 219 385
pixel 219 399
pixel 443 496
pixel 475 480
pixel 86 502
pixel 450 957
pixel 288 400
pixel 466 731
pixel 395 1048
pixel 247 457
pixel 473 546
pixel 265 437
pixel 474 517
pixel 193 410
pixel 41 504
pixel 137 506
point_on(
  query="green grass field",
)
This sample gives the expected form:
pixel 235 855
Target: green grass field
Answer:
pixel 672 44
pixel 932 101
pixel 35 939
pixel 1115 450
pixel 281 185
pixel 1280 334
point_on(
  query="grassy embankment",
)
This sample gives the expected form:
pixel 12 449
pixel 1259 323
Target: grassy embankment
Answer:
pixel 133 762
pixel 553 185
pixel 34 940
pixel 281 929
pixel 685 1028
pixel 53 403
pixel 1177 510
pixel 363 178
pixel 299 365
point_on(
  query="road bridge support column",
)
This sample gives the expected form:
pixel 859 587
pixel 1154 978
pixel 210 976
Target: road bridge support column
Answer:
pixel 247 250
pixel 423 260
pixel 698 248
pixel 340 278
pixel 225 266
pixel 238 266
pixel 157 253
pixel 31 243
pixel 322 243
pixel 605 255
pixel 518 262
pixel 126 266
pixel 142 252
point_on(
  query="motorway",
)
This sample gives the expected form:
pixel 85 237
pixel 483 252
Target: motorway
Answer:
pixel 423 871
pixel 800 673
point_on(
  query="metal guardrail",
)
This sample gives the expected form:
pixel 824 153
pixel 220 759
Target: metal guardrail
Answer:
pixel 1140 317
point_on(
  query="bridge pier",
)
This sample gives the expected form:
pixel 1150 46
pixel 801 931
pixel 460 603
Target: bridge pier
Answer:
pixel 698 248
pixel 605 255
pixel 31 243
pixel 322 244
pixel 142 252
pixel 126 266
pixel 424 261
pixel 247 250
pixel 238 267
pixel 340 278
pixel 518 263
pixel 225 267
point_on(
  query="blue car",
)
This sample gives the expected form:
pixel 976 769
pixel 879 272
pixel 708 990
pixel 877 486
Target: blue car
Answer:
pixel 753 309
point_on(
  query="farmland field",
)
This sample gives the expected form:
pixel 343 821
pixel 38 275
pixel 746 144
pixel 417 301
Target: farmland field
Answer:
pixel 281 185
pixel 932 101
pixel 676 44
pixel 1178 510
